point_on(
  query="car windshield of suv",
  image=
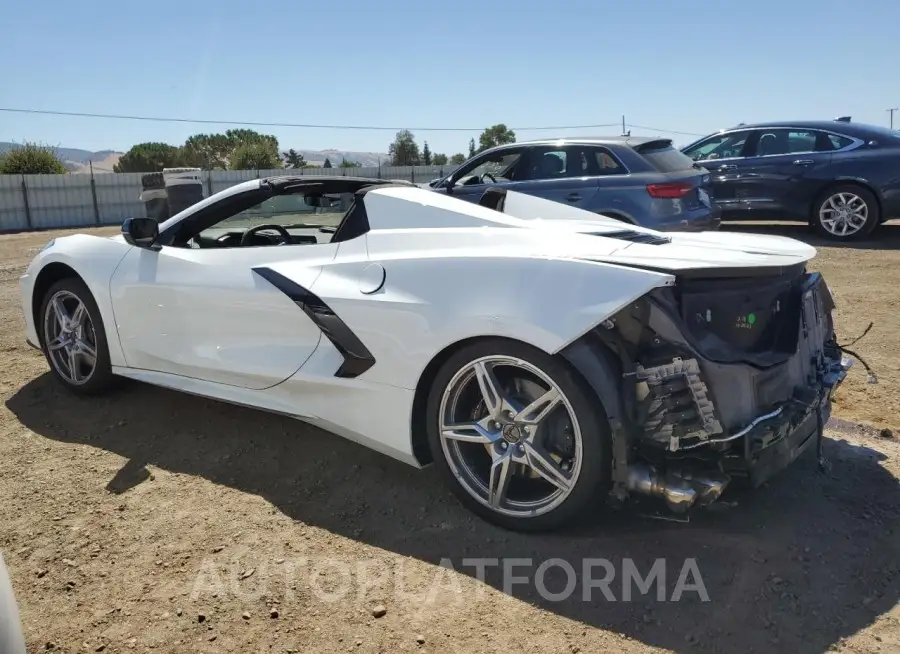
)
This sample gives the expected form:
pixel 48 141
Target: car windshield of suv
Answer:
pixel 500 166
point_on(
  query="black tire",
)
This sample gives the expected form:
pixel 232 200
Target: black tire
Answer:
pixel 596 468
pixel 101 379
pixel 873 212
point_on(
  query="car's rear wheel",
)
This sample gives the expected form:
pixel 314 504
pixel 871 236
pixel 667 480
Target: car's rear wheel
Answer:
pixel 518 436
pixel 73 338
pixel 846 212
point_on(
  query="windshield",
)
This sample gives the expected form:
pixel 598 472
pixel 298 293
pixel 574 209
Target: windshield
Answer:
pixel 498 165
pixel 666 159
pixel 291 211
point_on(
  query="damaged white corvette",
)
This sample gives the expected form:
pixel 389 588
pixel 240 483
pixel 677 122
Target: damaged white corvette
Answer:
pixel 538 355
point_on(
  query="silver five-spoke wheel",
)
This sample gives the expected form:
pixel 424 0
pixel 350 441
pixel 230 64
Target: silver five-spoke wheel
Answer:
pixel 844 214
pixel 69 338
pixel 510 436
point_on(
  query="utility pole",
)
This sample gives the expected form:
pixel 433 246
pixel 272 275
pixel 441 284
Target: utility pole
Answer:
pixel 623 124
pixel 891 112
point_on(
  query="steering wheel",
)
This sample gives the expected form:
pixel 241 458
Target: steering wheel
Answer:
pixel 485 176
pixel 282 232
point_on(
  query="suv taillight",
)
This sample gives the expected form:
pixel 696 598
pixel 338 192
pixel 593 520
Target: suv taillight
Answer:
pixel 671 190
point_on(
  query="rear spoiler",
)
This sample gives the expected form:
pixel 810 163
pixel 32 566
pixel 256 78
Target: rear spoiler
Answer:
pixel 655 144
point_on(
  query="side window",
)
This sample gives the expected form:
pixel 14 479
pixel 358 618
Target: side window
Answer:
pixel 721 146
pixel 785 141
pixel 605 162
pixel 839 142
pixel 551 163
pixel 547 163
pixel 500 165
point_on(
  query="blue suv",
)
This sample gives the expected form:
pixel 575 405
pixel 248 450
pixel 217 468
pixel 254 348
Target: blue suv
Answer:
pixel 640 180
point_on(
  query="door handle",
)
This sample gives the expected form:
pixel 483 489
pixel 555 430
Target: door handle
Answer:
pixel 726 167
pixel 573 197
pixel 803 162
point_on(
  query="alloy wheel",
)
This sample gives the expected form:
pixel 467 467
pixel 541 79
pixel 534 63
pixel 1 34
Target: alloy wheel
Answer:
pixel 70 338
pixel 510 436
pixel 843 214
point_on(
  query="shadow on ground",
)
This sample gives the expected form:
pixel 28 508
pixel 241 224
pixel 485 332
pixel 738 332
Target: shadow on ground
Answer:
pixel 886 237
pixel 794 566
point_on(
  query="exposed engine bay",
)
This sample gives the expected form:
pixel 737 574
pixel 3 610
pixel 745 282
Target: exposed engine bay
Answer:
pixel 721 379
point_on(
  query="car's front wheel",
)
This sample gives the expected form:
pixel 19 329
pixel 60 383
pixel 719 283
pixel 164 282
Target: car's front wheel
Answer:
pixel 73 338
pixel 518 435
pixel 846 212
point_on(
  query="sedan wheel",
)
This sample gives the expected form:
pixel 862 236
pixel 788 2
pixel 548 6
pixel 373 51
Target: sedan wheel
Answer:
pixel 520 439
pixel 846 212
pixel 73 338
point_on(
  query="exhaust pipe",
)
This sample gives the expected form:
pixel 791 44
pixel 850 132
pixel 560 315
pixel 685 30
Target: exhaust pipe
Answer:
pixel 680 489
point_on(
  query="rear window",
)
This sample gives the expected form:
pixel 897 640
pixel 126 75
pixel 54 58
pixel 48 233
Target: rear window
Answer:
pixel 664 157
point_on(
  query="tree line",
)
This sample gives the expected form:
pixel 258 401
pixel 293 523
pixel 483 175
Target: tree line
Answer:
pixel 404 151
pixel 242 149
pixel 236 149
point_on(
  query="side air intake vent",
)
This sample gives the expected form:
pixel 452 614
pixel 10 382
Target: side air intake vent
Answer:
pixel 636 237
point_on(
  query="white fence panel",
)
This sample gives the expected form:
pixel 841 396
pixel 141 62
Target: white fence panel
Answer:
pixel 119 197
pixel 12 204
pixel 58 201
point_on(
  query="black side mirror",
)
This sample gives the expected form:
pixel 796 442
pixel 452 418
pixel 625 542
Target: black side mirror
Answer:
pixel 141 232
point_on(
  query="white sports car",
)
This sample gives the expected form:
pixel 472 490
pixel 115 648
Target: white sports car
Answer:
pixel 539 355
pixel 11 639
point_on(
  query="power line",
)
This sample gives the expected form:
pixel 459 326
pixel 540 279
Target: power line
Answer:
pixel 667 131
pixel 169 119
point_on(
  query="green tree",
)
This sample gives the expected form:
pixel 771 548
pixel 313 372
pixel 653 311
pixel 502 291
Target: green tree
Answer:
pixel 471 147
pixel 150 157
pixel 495 135
pixel 457 158
pixel 31 159
pixel 426 154
pixel 345 163
pixel 208 151
pixel 238 137
pixel 404 151
pixel 293 159
pixel 212 151
pixel 257 155
pixel 439 159
pixel 327 163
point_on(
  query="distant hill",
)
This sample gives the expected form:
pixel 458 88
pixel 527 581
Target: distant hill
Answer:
pixel 79 161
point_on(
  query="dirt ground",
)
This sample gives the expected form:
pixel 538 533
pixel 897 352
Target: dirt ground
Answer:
pixel 156 522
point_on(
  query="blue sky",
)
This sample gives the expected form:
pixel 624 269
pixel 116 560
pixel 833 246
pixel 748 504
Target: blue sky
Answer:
pixel 686 65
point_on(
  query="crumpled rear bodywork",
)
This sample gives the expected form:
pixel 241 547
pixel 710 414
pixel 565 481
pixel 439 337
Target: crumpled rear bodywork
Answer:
pixel 720 379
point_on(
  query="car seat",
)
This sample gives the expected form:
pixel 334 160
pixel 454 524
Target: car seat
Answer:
pixel 493 198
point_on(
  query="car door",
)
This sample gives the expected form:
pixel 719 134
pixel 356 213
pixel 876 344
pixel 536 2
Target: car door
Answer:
pixel 496 168
pixel 724 156
pixel 213 314
pixel 560 173
pixel 778 167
